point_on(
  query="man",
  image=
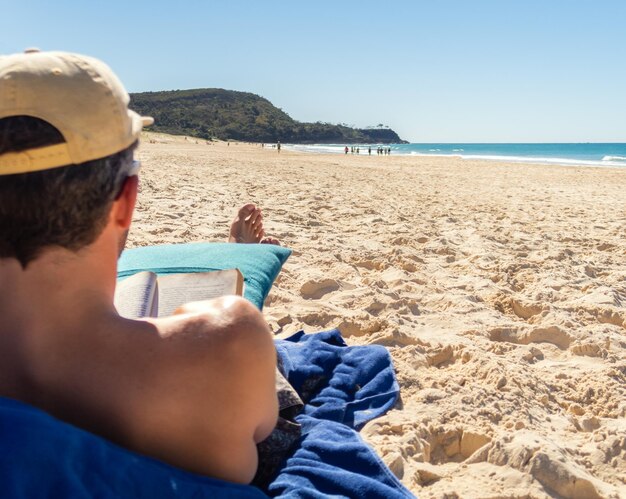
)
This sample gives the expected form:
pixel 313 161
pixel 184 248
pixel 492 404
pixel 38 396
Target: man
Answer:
pixel 197 389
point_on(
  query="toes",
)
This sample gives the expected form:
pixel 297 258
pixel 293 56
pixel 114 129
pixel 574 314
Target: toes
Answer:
pixel 255 217
pixel 246 210
pixel 241 228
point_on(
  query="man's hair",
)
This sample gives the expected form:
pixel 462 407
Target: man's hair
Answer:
pixel 66 206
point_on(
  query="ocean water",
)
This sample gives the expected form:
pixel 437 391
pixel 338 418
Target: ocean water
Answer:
pixel 583 154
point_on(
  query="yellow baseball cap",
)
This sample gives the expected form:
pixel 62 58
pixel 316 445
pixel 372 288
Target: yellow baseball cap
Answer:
pixel 78 95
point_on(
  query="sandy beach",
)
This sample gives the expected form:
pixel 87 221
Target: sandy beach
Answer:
pixel 499 289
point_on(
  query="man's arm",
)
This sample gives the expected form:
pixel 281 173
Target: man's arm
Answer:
pixel 217 393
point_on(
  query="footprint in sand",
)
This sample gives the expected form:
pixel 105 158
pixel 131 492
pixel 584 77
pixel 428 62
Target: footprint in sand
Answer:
pixel 589 349
pixel 314 290
pixel 551 334
pixel 525 310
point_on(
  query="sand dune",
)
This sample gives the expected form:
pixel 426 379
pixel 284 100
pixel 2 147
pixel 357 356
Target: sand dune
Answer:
pixel 499 289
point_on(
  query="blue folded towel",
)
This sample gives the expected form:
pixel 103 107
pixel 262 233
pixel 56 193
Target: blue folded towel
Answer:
pixel 333 461
pixel 342 387
pixel 349 385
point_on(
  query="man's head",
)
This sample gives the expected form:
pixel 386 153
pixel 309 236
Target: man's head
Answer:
pixel 66 142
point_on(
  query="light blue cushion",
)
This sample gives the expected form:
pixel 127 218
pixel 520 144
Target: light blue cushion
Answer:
pixel 259 263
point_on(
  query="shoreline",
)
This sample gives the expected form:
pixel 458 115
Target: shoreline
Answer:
pixel 337 149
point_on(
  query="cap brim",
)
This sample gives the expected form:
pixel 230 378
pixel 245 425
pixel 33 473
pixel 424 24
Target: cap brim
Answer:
pixel 138 122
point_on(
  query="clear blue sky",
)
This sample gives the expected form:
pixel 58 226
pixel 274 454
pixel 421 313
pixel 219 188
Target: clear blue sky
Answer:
pixel 437 70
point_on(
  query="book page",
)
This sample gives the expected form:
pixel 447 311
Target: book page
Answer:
pixel 178 289
pixel 136 296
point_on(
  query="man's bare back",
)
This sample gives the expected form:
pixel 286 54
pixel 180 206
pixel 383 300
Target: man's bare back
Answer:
pixel 196 389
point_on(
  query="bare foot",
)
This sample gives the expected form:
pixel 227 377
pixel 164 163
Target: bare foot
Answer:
pixel 247 227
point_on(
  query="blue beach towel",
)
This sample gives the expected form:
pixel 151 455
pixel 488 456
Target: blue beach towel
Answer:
pixel 349 385
pixel 343 388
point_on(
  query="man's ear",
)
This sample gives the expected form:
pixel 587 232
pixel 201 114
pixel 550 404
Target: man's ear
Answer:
pixel 124 205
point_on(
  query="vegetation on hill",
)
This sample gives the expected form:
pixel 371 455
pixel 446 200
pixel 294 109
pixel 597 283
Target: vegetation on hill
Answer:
pixel 213 113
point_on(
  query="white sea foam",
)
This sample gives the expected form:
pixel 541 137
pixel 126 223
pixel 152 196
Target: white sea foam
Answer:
pixel 319 148
pixel 527 159
pixel 614 158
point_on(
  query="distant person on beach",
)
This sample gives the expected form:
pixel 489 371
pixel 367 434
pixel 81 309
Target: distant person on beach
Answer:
pixel 197 389
pixel 346 150
pixel 369 150
pixel 278 146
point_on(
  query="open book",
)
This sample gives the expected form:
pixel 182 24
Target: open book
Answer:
pixel 146 295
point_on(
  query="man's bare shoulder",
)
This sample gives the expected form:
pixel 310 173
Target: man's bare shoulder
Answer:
pixel 199 321
pixel 216 335
pixel 202 342
pixel 207 383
